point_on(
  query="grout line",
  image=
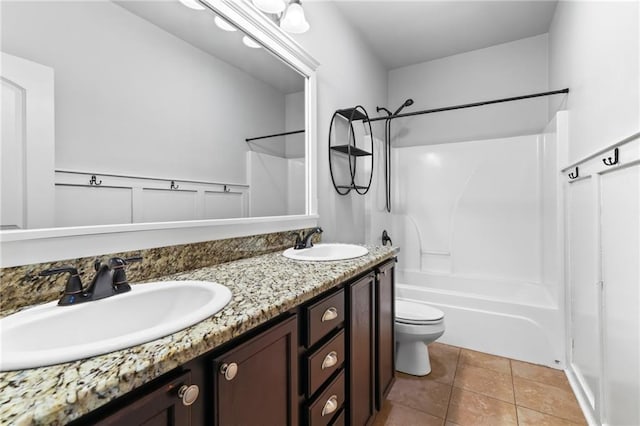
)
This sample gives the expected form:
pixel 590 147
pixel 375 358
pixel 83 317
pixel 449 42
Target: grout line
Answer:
pixel 513 386
pixel 487 396
pixel 455 372
pixel 549 415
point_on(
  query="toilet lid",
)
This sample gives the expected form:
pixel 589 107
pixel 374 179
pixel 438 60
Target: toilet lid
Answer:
pixel 417 313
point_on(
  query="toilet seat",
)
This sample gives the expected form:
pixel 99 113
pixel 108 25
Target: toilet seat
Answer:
pixel 417 313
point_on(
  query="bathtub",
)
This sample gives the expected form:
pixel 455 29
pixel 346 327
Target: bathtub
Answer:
pixel 518 320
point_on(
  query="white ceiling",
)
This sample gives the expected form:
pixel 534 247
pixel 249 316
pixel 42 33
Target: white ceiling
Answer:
pixel 403 33
pixel 197 28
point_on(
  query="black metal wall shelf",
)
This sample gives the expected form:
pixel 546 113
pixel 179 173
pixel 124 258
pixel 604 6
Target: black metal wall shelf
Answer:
pixel 353 153
pixel 353 114
pixel 350 150
pixel 350 187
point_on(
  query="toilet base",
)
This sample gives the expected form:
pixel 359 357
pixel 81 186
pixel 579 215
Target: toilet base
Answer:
pixel 413 358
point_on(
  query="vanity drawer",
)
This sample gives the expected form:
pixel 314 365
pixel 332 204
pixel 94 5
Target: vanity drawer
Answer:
pixel 325 361
pixel 324 316
pixel 340 419
pixel 324 408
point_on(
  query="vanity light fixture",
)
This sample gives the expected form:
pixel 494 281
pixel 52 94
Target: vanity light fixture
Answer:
pixel 288 14
pixel 224 25
pixel 293 19
pixel 192 4
pixel 270 6
pixel 250 43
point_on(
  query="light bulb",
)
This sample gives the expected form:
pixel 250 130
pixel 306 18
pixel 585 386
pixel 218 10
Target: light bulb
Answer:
pixel 192 4
pixel 224 25
pixel 270 6
pixel 294 20
pixel 250 43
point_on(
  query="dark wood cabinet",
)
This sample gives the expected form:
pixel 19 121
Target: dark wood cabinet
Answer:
pixel 385 335
pixel 361 338
pixel 329 361
pixel 158 407
pixel 256 383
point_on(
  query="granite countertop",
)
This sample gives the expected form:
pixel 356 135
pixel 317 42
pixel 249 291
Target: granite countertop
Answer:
pixel 263 287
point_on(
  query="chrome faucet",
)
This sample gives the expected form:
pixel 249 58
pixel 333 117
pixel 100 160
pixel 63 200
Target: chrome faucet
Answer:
pixel 305 242
pixel 110 279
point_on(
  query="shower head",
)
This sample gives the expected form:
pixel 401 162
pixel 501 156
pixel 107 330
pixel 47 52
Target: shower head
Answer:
pixel 406 103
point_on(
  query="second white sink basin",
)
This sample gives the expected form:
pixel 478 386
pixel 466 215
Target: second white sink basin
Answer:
pixel 326 252
pixel 50 334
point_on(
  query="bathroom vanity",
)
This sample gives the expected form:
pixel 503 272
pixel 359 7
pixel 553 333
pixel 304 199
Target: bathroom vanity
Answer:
pixel 299 343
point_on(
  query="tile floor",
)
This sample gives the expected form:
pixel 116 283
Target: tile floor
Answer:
pixel 468 388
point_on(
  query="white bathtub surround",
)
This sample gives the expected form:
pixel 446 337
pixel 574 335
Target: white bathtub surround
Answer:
pixel 479 224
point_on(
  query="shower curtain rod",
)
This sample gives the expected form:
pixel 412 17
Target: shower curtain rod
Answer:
pixel 275 135
pixel 475 104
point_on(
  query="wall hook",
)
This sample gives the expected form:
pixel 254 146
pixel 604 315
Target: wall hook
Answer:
pixel 226 189
pixel 609 161
pixel 94 181
pixel 575 175
pixel 173 185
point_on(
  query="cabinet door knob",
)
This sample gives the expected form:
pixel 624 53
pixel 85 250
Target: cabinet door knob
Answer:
pixel 330 406
pixel 330 314
pixel 229 370
pixel 188 394
pixel 330 360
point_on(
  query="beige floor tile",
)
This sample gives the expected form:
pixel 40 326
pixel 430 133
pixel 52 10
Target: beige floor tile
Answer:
pixel 540 374
pixel 484 381
pixel 444 360
pixel 472 409
pixel 528 417
pixel 393 414
pixel 425 395
pixel 479 359
pixel 547 399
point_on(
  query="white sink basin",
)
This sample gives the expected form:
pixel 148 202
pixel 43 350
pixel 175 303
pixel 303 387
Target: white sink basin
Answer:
pixel 50 334
pixel 326 252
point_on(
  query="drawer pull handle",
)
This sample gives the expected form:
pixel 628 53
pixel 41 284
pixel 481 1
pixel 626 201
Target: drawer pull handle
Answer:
pixel 330 360
pixel 229 370
pixel 330 406
pixel 188 394
pixel 330 314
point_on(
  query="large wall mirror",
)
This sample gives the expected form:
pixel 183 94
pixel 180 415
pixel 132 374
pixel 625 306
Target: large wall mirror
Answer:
pixel 155 115
pixel 156 112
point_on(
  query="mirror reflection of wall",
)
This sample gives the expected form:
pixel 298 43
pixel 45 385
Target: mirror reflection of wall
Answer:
pixel 156 101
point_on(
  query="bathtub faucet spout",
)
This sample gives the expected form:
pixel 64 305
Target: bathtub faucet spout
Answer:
pixel 386 238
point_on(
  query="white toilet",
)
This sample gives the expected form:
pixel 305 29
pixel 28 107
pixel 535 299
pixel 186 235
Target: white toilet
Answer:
pixel 417 325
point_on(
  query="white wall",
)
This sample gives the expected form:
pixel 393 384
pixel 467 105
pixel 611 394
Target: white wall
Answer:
pixel 594 50
pixel 349 75
pixel 139 92
pixel 505 70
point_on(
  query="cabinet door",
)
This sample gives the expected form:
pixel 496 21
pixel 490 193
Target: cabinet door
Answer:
pixel 385 337
pixel 361 337
pixel 256 383
pixel 158 407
